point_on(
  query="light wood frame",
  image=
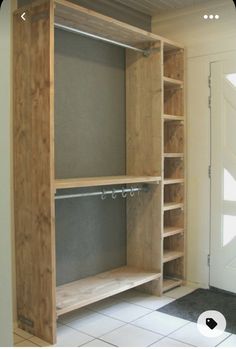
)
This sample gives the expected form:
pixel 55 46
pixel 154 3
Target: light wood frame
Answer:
pixel 39 301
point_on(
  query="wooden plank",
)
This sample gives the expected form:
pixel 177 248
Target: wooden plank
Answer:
pixel 174 64
pixel 77 294
pixel 170 46
pixel 169 255
pixel 174 193
pixel 170 83
pixel 173 100
pixel 174 172
pixel 173 138
pixel 173 155
pixel 33 170
pixel 172 206
pixel 144 149
pixel 168 181
pixel 99 181
pixel 167 117
pixel 173 168
pixel 73 15
pixel 171 231
pixel 174 269
pixel 168 284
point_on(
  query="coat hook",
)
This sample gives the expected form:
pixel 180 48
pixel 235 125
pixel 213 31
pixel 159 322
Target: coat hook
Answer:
pixel 103 196
pixel 132 192
pixel 124 194
pixel 113 195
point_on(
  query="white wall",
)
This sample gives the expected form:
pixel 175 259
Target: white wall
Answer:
pixel 205 42
pixel 5 177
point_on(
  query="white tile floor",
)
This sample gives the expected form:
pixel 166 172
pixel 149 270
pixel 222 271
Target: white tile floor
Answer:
pixel 129 319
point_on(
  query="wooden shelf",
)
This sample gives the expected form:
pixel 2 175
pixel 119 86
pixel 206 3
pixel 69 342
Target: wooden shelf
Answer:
pixel 83 19
pixel 101 181
pixel 80 293
pixel 173 155
pixel 170 255
pixel 168 181
pixel 170 83
pixel 170 231
pixel 167 117
pixel 172 206
pixel 171 46
pixel 168 284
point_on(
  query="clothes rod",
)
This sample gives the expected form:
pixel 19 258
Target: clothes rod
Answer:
pixel 146 52
pixel 104 193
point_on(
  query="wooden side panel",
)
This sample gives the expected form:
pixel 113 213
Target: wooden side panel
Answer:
pixel 174 64
pixel 173 137
pixel 144 130
pixel 33 169
pixel 143 113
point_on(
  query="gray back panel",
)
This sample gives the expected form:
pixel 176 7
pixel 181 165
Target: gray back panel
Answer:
pixel 89 141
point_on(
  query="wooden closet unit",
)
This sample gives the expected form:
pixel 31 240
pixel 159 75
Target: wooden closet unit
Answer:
pixel 173 271
pixel 154 159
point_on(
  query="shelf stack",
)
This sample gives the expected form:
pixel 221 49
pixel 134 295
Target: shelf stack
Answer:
pixel 173 187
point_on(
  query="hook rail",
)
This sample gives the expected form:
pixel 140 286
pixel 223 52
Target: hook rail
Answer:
pixel 104 193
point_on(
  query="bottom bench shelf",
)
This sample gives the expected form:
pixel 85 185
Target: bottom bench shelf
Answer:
pixel 168 284
pixel 80 293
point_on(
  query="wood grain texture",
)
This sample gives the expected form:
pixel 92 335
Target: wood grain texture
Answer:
pixel 80 293
pixel 171 231
pixel 170 83
pixel 144 137
pixel 76 16
pixel 33 170
pixel 173 168
pixel 170 255
pixel 168 181
pixel 174 193
pixel 168 284
pixel 172 206
pixel 98 181
pixel 174 269
pixel 173 137
pixel 174 218
pixel 174 152
pixel 173 102
pixel 81 18
pixel 174 64
pixel 168 118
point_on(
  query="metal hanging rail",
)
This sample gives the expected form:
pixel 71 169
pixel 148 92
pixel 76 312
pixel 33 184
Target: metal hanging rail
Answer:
pixel 146 52
pixel 124 192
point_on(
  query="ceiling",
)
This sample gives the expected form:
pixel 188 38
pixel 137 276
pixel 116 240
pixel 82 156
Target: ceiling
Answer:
pixel 154 7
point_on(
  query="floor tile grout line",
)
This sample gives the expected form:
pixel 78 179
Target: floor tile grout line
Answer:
pixel 176 340
pixel 142 306
pixel 224 339
pixel 161 334
pixel 100 313
pixel 151 311
pixel 98 336
pixel 99 340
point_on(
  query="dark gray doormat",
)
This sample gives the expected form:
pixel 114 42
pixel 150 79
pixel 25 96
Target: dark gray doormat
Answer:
pixel 191 306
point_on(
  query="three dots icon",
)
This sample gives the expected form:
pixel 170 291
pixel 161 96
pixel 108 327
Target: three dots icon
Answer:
pixel 211 17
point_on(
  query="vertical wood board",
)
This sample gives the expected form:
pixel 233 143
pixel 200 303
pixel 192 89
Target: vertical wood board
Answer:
pixel 34 169
pixel 143 157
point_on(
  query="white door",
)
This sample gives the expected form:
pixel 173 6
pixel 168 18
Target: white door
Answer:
pixel 223 176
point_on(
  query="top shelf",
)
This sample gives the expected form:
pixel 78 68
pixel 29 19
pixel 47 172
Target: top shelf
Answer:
pixel 83 19
pixel 101 181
